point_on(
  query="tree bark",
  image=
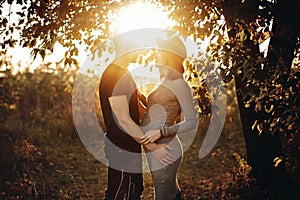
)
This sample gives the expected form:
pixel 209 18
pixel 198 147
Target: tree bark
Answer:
pixel 263 147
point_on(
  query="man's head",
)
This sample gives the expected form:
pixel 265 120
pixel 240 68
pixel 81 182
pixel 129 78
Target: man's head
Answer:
pixel 126 48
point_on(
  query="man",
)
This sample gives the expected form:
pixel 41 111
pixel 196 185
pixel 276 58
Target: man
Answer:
pixel 119 102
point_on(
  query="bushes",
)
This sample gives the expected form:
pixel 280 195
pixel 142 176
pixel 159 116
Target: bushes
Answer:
pixel 32 104
pixel 40 99
pixel 22 166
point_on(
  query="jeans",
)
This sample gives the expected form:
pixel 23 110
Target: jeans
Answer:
pixel 123 185
pixel 125 178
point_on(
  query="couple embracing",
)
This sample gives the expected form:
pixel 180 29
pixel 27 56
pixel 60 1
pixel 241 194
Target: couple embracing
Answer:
pixel 169 110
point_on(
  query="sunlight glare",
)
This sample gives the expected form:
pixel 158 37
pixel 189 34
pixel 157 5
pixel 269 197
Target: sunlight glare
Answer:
pixel 140 15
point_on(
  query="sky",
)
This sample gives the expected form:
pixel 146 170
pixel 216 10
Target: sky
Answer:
pixel 21 56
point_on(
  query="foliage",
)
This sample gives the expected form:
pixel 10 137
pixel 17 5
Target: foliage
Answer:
pixel 6 84
pixel 237 180
pixel 39 99
pixel 22 165
pixel 41 24
pixel 265 84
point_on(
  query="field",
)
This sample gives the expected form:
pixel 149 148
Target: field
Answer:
pixel 56 166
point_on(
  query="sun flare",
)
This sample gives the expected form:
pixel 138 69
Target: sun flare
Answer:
pixel 140 15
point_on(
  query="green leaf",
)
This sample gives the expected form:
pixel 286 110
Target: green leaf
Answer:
pixel 247 105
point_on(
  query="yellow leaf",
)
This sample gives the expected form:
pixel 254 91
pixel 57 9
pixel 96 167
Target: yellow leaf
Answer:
pixel 260 128
pixel 268 110
pixel 277 161
pixel 253 126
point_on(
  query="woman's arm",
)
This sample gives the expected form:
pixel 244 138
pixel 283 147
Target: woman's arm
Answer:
pixel 189 123
pixel 184 96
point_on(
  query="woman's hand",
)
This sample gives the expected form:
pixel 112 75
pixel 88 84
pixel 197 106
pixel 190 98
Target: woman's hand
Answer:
pixel 162 153
pixel 150 136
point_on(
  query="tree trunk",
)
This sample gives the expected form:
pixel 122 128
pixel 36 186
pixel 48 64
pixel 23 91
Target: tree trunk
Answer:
pixel 263 147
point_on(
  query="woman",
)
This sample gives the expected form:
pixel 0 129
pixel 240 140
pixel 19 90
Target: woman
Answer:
pixel 165 107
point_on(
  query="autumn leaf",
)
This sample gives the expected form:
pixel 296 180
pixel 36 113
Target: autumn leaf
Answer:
pixel 277 161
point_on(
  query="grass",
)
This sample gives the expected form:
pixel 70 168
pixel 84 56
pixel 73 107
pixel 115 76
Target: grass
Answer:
pixel 66 170
pixel 44 165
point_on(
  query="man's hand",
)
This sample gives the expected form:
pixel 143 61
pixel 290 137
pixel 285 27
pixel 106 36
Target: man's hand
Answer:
pixel 150 136
pixel 162 154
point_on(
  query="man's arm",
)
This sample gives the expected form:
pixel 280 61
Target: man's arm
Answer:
pixel 120 108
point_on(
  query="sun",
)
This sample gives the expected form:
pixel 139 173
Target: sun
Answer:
pixel 140 15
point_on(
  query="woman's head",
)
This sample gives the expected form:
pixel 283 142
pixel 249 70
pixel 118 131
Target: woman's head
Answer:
pixel 173 44
pixel 170 60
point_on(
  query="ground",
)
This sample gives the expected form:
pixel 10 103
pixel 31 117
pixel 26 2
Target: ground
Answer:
pixel 56 166
pixel 66 170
